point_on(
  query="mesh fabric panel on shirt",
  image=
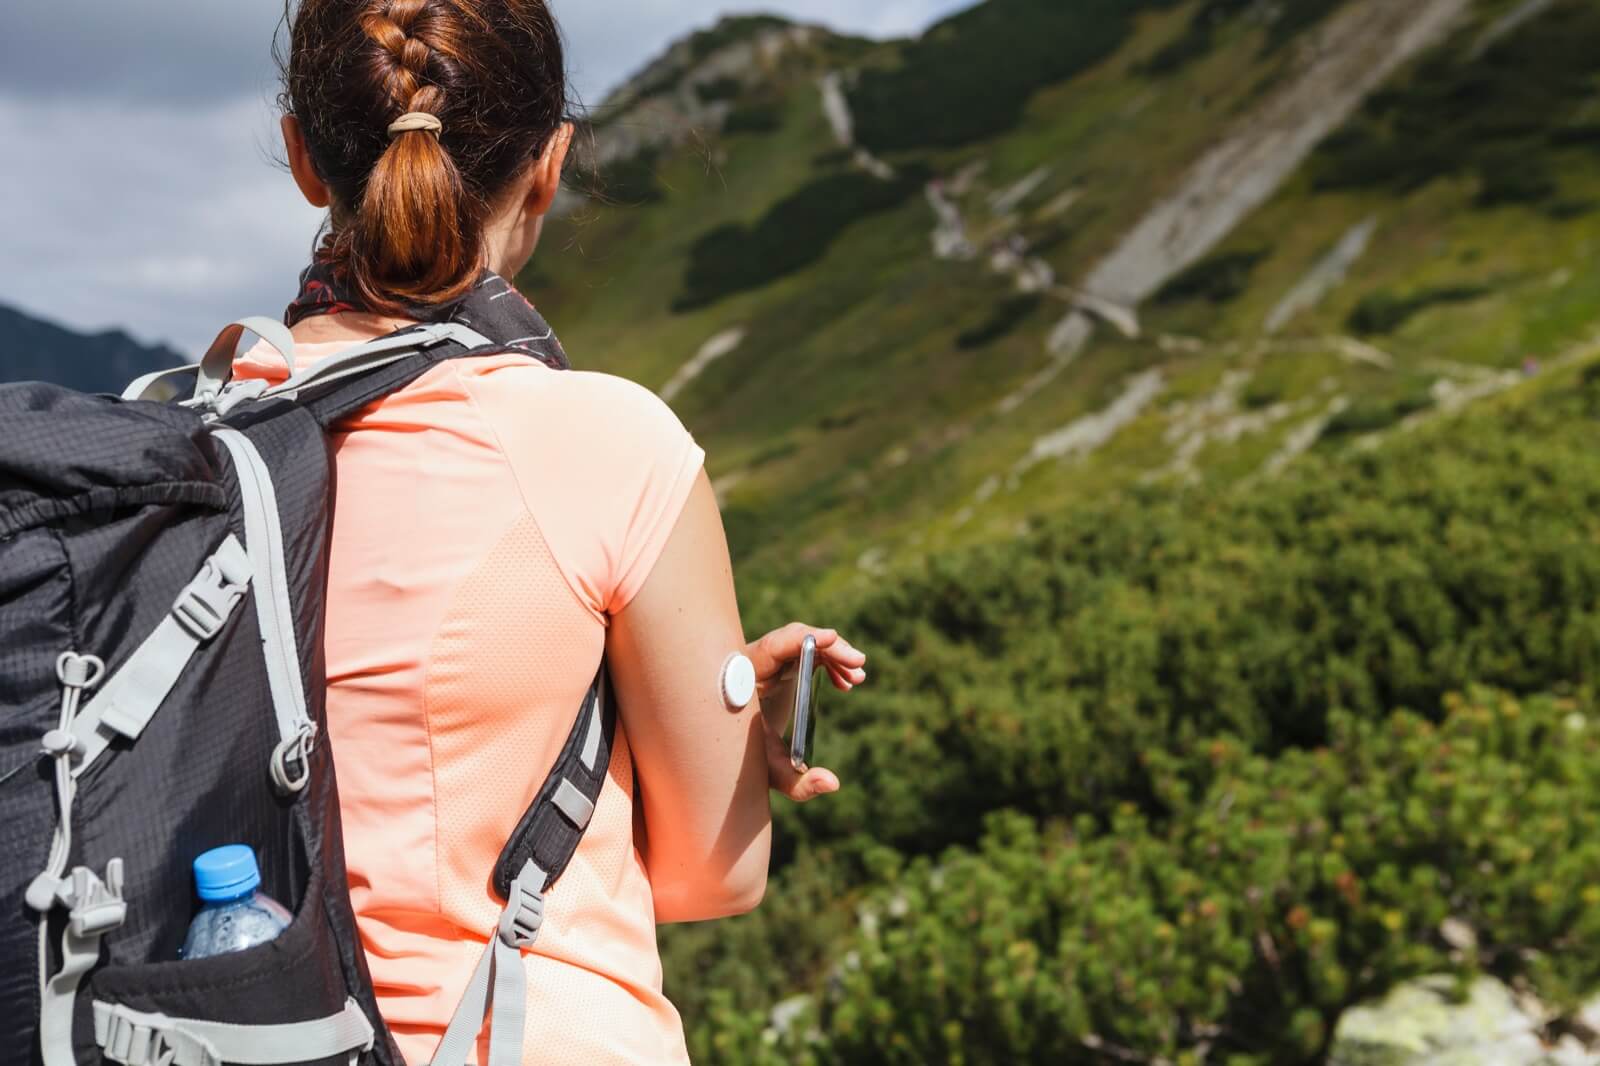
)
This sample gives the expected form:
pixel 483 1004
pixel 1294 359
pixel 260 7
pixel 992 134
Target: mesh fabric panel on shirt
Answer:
pixel 508 670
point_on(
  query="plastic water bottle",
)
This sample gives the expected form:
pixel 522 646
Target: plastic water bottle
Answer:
pixel 235 916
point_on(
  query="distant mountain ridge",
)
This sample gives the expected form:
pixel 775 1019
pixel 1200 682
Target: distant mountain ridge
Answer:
pixel 33 349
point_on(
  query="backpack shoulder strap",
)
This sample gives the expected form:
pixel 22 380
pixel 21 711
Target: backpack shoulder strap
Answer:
pixel 343 384
pixel 549 832
pixel 536 855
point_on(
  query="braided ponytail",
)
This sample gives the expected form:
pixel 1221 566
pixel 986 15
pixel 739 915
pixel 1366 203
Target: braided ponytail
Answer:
pixel 410 207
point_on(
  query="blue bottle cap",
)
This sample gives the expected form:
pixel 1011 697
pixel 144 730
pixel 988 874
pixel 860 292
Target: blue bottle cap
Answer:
pixel 226 873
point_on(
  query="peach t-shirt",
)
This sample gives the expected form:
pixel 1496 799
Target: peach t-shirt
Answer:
pixel 490 517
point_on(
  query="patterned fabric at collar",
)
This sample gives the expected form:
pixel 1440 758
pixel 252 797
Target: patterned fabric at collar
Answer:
pixel 493 307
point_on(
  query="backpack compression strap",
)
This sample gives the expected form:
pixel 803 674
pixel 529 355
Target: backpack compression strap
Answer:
pixel 534 857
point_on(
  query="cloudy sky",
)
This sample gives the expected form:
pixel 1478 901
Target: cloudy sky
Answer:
pixel 137 187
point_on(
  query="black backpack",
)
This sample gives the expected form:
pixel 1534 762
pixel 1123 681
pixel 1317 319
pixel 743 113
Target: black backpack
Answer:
pixel 162 576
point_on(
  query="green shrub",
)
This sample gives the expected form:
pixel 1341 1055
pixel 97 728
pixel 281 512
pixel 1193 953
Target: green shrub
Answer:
pixel 1370 415
pixel 719 89
pixel 1004 319
pixel 1289 19
pixel 1507 175
pixel 1205 687
pixel 630 182
pixel 1495 117
pixel 759 116
pixel 969 77
pixel 795 233
pixel 1217 280
pixel 1385 312
pixel 1269 896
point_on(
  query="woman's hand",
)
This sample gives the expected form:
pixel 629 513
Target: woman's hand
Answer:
pixel 776 653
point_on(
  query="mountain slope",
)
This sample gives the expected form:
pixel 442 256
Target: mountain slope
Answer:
pixel 32 349
pixel 1186 427
pixel 894 339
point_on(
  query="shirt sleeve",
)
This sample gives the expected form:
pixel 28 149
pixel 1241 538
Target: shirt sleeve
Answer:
pixel 605 469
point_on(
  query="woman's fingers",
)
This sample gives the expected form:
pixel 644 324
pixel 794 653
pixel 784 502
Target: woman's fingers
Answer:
pixel 842 653
pixel 799 786
pixel 780 647
pixel 813 783
pixel 846 678
pixel 845 664
pixel 773 652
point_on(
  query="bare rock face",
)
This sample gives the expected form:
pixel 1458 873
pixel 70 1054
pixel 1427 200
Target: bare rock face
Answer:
pixel 1424 1024
pixel 1344 62
pixel 667 102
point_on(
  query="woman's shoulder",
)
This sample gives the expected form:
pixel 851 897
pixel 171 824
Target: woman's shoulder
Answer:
pixel 583 404
pixel 603 464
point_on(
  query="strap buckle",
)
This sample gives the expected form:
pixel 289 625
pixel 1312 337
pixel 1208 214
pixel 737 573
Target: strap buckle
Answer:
pixel 234 394
pixel 523 917
pixel 135 1039
pixel 97 906
pixel 202 608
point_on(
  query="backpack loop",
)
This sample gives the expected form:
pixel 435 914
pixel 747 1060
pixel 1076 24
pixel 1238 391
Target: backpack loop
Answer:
pixel 291 761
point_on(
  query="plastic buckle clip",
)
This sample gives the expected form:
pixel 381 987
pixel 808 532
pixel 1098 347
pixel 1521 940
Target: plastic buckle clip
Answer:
pixel 205 603
pixel 97 906
pixel 136 1039
pixel 523 917
pixel 235 394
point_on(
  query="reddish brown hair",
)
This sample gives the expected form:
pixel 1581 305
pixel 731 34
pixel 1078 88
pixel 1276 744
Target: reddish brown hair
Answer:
pixel 409 211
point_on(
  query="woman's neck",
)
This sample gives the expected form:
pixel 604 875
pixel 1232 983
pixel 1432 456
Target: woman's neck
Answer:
pixel 351 326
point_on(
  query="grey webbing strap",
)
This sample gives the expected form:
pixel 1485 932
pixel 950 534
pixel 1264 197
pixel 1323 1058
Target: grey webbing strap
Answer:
pixel 498 988
pixel 135 1038
pixel 274 612
pixel 96 908
pixel 574 804
pixel 216 366
pixel 377 353
pixel 591 741
pixel 126 703
pixel 142 387
pixel 78 956
pixel 215 369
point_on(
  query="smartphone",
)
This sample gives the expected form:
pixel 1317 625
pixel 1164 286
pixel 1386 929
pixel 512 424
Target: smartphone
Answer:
pixel 803 718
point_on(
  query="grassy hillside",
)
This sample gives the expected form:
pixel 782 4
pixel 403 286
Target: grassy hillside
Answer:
pixel 1217 663
pixel 856 420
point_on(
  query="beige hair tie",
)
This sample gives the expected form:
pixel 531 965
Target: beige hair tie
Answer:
pixel 414 120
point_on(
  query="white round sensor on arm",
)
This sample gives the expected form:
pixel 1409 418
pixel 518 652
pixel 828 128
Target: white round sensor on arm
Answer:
pixel 738 682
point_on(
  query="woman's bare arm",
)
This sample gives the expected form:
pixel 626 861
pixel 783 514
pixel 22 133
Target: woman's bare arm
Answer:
pixel 702 768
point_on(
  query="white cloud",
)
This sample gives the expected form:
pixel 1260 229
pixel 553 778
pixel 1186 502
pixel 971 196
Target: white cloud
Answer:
pixel 139 188
pixel 169 224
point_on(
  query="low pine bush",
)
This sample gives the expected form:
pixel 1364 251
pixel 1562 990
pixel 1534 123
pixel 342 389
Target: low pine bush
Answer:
pixel 795 233
pixel 1270 895
pixel 1184 771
